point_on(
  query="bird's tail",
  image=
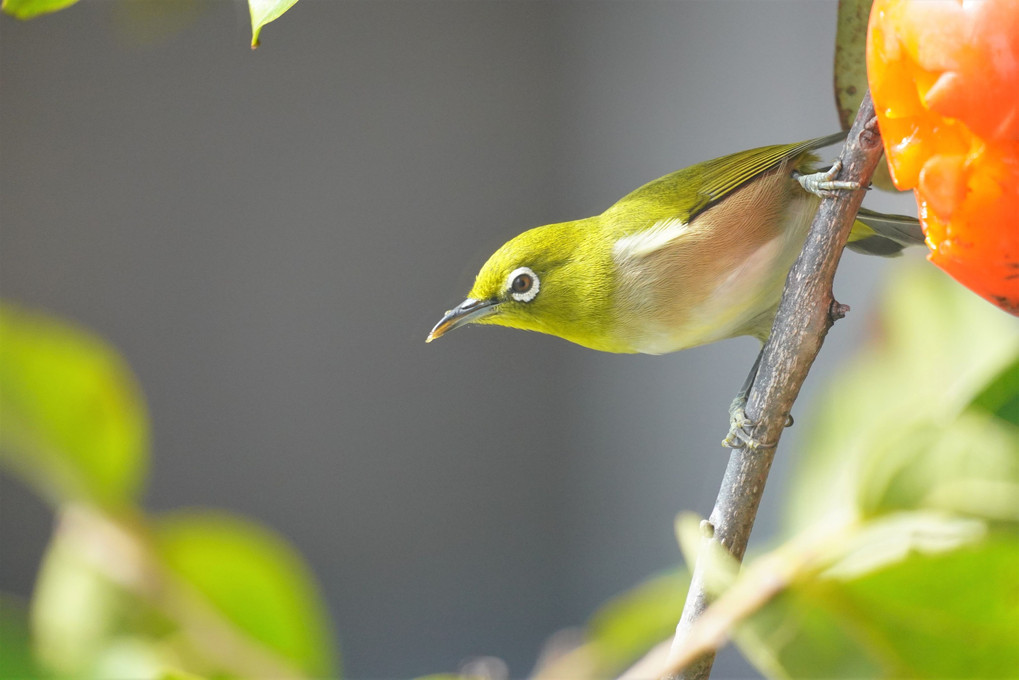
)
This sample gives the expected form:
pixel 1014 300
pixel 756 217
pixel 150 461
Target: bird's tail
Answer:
pixel 876 233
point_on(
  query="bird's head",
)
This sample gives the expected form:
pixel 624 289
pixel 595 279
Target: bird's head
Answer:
pixel 555 279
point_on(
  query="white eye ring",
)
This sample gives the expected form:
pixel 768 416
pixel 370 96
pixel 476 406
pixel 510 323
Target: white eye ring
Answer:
pixel 523 284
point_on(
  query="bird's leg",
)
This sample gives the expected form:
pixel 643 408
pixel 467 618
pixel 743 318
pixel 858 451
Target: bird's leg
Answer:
pixel 821 184
pixel 739 424
pixel 739 436
pixel 824 184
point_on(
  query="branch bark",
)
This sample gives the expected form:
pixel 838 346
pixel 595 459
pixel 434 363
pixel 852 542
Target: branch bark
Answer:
pixel 808 309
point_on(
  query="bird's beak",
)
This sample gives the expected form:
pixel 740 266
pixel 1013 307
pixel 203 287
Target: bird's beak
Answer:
pixel 468 311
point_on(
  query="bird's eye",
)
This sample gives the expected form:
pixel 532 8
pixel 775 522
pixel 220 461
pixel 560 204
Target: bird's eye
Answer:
pixel 523 284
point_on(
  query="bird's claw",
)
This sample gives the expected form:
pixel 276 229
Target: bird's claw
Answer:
pixel 741 428
pixel 824 184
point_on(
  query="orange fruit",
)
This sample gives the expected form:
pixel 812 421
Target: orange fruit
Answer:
pixel 944 76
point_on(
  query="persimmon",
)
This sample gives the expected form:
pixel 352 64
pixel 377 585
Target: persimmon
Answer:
pixel 944 76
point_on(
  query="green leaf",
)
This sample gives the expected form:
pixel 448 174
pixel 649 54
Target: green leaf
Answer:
pixel 203 594
pixel 936 349
pixel 136 656
pixel 915 444
pixel 74 422
pixel 76 609
pixel 630 624
pixel 255 580
pixel 16 658
pixel 793 637
pixel 177 674
pixel 945 615
pixel 1001 396
pixel 263 12
pixel 850 58
pixel 950 615
pixel 623 630
pixel 27 9
pixel 968 466
pixel 103 607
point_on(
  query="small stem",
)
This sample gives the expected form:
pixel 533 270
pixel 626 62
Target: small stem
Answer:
pixel 805 314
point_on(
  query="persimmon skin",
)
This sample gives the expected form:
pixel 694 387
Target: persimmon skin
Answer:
pixel 944 76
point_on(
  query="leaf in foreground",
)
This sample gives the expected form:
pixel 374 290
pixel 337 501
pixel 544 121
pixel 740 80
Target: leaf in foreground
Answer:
pixel 16 658
pixel 255 580
pixel 1001 396
pixel 939 348
pixel 947 615
pixel 74 421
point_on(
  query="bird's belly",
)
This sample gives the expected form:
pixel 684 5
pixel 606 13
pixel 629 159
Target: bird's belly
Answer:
pixel 740 300
pixel 743 303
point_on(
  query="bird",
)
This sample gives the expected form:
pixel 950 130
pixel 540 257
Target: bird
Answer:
pixel 691 258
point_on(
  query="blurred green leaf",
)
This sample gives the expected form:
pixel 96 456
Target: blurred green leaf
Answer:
pixel 27 9
pixel 255 580
pixel 936 349
pixel 16 658
pixel 794 637
pixel 1001 396
pixel 949 615
pixel 836 549
pixel 916 443
pixel 627 626
pixel 946 615
pixel 619 633
pixel 144 23
pixel 74 422
pixel 75 608
pixel 176 674
pixel 967 466
pixel 136 656
pixel 263 12
pixel 231 600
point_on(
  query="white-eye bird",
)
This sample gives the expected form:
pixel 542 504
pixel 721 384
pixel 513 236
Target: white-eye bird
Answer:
pixel 696 256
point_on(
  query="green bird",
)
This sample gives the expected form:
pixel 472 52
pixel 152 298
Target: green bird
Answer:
pixel 696 256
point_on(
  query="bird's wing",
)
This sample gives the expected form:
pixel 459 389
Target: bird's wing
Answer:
pixel 685 193
pixel 882 234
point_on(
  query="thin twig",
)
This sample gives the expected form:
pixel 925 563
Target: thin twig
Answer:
pixel 808 309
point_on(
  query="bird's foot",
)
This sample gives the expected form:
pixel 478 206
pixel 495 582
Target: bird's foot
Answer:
pixel 741 427
pixel 824 184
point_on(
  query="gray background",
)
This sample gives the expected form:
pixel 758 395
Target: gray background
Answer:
pixel 269 236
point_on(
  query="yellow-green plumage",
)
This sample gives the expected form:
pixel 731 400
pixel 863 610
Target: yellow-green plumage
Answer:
pixel 574 264
pixel 696 256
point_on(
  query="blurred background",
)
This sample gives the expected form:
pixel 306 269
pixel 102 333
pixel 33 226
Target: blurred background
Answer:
pixel 268 237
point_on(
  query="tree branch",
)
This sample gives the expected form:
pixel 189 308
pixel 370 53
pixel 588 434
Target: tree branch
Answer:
pixel 808 309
